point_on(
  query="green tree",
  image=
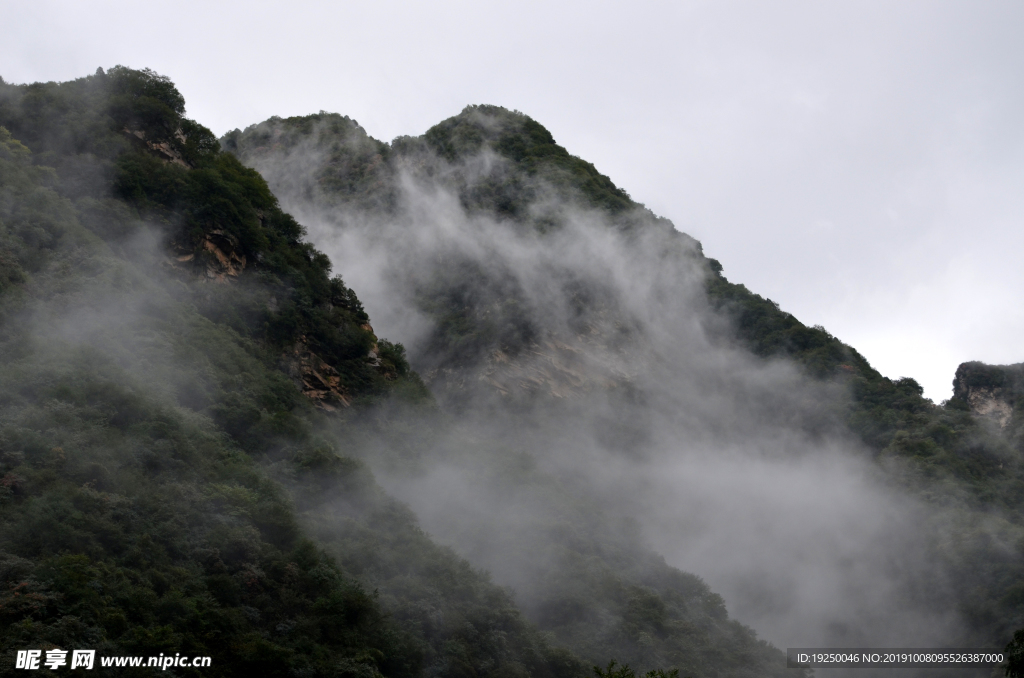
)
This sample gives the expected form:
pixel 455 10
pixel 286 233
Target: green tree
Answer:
pixel 1015 655
pixel 613 670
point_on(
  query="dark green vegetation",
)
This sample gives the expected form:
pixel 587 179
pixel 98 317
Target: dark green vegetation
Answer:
pixel 948 454
pixel 945 452
pixel 891 416
pixel 180 381
pixel 184 389
pixel 161 325
pixel 329 161
pixel 1015 656
pixel 588 578
pixel 965 466
pixel 615 671
pixel 358 169
pixel 592 583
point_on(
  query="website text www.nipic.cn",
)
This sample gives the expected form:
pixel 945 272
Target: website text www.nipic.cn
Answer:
pixel 86 659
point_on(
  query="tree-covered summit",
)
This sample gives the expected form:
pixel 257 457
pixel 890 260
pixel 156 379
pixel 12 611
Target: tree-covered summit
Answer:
pixel 561 332
pixel 353 168
pixel 129 160
pixel 526 143
pixel 173 357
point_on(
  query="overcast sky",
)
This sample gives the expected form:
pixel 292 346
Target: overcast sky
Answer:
pixel 861 165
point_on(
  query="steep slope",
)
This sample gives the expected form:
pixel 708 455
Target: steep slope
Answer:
pixel 173 355
pixel 537 297
pixel 481 316
pixel 992 391
pixel 601 591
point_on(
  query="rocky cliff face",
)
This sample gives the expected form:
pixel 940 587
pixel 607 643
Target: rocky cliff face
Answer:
pixel 504 245
pixel 991 391
pixel 552 367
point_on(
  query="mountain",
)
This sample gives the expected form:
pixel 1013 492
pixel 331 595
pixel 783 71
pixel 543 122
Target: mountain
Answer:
pixel 547 310
pixel 208 449
pixel 190 407
pixel 992 391
pixel 171 348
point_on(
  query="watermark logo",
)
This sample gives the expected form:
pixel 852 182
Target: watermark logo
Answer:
pixel 890 657
pixel 33 660
pixel 28 659
pixel 83 659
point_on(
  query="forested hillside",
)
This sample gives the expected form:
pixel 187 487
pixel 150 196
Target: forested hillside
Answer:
pixel 488 194
pixel 184 388
pixel 170 349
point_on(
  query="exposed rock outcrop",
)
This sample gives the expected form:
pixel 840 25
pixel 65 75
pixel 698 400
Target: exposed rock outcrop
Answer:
pixel 991 391
pixel 319 382
pixel 992 403
pixel 163 149
pixel 219 258
pixel 557 367
pixel 374 355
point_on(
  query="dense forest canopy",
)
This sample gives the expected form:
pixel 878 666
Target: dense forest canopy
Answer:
pixel 171 347
pixel 490 185
pixel 206 448
pixel 183 386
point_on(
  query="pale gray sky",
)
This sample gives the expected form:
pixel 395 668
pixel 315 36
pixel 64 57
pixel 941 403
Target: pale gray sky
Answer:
pixel 861 164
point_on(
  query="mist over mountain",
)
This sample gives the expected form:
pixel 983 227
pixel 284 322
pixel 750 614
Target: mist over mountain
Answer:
pixel 554 314
pixel 172 352
pixel 581 443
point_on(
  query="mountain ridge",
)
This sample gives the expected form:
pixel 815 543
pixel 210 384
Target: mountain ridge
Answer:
pixel 192 405
pixel 502 166
pixel 176 476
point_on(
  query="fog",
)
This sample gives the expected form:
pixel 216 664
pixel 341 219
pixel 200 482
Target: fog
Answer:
pixel 873 147
pixel 636 400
